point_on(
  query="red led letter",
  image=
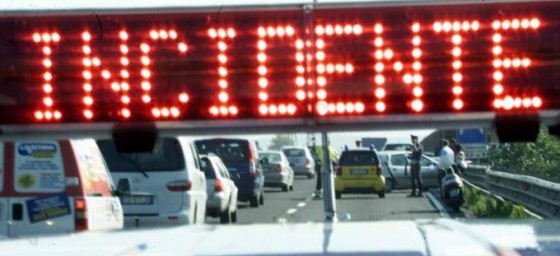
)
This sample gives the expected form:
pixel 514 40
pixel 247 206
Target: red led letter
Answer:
pixel 159 111
pixel 280 108
pixel 47 40
pixel 323 68
pixel 385 56
pixel 501 62
pixel 222 108
pixel 119 85
pixel 455 29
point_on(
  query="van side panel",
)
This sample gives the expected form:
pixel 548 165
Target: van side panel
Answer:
pixel 39 203
pixel 197 195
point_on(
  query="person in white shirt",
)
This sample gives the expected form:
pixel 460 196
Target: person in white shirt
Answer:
pixel 446 159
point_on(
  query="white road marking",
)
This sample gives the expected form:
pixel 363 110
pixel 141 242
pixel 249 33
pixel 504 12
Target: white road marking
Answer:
pixel 291 211
pixel 302 204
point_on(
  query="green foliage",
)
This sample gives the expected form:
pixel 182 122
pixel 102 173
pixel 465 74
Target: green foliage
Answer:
pixel 540 159
pixel 482 205
pixel 281 140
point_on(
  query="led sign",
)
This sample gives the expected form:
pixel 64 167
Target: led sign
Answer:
pixel 246 64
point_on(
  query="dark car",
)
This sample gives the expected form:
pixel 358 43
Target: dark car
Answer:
pixel 241 159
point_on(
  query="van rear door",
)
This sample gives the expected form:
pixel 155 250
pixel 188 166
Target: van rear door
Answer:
pixel 38 203
pixel 104 209
pixel 158 179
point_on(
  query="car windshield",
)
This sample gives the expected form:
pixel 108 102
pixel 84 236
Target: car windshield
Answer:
pixel 166 157
pixel 359 158
pixel 228 151
pixel 341 93
pixel 272 157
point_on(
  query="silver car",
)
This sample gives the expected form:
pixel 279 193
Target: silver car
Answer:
pixel 396 169
pixel 221 190
pixel 277 170
pixel 301 160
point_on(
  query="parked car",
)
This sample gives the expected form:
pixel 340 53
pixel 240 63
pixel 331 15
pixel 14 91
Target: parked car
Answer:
pixel 165 187
pixel 396 166
pixel 240 157
pixel 49 187
pixel 221 190
pixel 277 170
pixel 359 171
pixel 301 160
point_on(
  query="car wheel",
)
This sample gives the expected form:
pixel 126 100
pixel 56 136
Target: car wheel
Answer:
pixel 310 176
pixel 234 217
pixel 291 187
pixel 225 217
pixel 261 199
pixel 381 194
pixel 389 185
pixel 254 202
pixel 337 194
pixel 285 188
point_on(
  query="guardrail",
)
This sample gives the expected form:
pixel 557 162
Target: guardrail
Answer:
pixel 540 196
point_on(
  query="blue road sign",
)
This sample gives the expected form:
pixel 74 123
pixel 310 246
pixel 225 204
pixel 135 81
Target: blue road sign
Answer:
pixel 471 136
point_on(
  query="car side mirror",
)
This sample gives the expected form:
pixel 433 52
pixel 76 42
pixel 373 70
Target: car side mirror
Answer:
pixel 385 163
pixel 123 188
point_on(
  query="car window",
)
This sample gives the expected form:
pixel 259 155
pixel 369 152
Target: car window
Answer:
pixel 294 152
pixel 398 160
pixel 227 150
pixel 425 161
pixel 272 157
pixel 359 158
pixel 207 168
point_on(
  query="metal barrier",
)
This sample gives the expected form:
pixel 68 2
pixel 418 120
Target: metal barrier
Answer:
pixel 540 196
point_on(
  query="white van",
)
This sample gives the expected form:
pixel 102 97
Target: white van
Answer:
pixel 49 187
pixel 160 188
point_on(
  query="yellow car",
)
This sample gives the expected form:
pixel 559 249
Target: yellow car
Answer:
pixel 359 171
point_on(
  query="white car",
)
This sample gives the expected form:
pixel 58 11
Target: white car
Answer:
pixel 165 187
pixel 221 190
pixel 396 169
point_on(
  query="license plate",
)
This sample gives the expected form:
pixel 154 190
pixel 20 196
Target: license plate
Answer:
pixel 137 200
pixel 358 172
pixel 454 192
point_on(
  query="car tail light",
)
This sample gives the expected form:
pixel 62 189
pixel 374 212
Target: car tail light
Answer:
pixel 179 185
pixel 308 162
pixel 279 168
pixel 379 172
pixel 252 164
pixel 218 186
pixel 338 170
pixel 80 209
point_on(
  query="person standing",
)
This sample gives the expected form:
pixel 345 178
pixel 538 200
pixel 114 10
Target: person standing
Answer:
pixel 446 159
pixel 317 152
pixel 415 176
pixel 455 146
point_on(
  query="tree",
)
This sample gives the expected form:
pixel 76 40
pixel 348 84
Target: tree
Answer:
pixel 540 159
pixel 281 140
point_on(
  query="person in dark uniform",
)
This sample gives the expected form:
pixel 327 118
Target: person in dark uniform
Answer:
pixel 416 178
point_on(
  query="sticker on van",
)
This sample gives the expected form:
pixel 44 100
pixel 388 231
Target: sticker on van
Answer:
pixel 38 167
pixel 44 208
